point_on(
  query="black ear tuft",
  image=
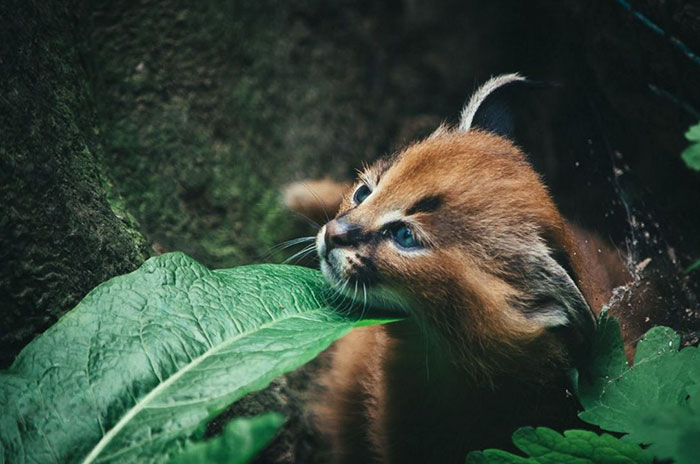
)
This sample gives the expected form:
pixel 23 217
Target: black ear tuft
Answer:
pixel 491 106
pixel 495 114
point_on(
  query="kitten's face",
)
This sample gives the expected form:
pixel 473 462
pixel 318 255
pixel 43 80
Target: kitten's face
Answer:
pixel 459 232
pixel 437 222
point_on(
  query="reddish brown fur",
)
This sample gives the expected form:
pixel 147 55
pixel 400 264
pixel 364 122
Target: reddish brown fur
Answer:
pixel 601 269
pixel 429 388
pixel 490 191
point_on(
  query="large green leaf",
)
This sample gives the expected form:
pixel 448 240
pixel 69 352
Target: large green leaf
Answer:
pixel 655 402
pixel 241 441
pixel 146 358
pixel 545 446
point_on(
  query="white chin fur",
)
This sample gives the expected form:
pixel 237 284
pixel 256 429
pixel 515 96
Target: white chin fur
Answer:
pixel 333 270
pixel 377 296
pixel 320 243
pixel 382 297
pixel 328 273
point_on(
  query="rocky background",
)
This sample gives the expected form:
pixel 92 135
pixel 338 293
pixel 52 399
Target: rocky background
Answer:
pixel 130 128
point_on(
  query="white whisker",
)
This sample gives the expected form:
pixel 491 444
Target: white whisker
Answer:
pixel 364 300
pixel 352 301
pixel 337 292
pixel 284 245
pixel 301 254
pixel 320 202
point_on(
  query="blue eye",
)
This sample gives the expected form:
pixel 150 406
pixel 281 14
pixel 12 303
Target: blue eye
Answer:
pixel 404 237
pixel 361 194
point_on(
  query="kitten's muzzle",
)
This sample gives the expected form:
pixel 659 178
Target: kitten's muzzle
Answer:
pixel 340 233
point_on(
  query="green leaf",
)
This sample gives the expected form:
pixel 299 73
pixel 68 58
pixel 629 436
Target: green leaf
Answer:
pixel 145 359
pixel 545 446
pixel 693 133
pixel 606 361
pixel 241 441
pixel 691 155
pixel 693 266
pixel 656 402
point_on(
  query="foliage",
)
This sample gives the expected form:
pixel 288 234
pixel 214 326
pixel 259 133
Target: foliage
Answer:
pixel 545 446
pixel 53 198
pixel 241 441
pixel 605 361
pixel 656 401
pixel 693 266
pixel 147 358
pixel 691 155
pixel 205 112
pixel 135 371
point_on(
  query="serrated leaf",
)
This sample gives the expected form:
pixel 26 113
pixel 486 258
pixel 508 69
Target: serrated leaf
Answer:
pixel 146 358
pixel 241 440
pixel 655 402
pixel 693 133
pixel 606 361
pixel 545 446
pixel 691 156
pixel 658 341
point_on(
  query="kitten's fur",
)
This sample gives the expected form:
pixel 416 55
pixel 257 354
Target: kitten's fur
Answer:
pixel 499 297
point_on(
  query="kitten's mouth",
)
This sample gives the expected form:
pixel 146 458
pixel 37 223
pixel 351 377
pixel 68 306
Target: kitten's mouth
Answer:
pixel 365 299
pixel 362 290
pixel 332 276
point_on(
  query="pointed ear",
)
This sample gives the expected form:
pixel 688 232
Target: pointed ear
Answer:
pixel 556 301
pixel 490 107
pixel 484 109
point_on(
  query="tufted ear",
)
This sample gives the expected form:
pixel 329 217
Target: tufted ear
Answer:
pixel 487 109
pixel 490 107
pixel 555 300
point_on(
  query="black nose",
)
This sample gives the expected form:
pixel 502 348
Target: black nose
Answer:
pixel 340 234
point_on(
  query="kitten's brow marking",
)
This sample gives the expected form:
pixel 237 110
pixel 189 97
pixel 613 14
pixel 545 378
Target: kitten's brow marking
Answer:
pixel 426 205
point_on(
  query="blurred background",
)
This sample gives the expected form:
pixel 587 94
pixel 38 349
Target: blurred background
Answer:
pixel 132 128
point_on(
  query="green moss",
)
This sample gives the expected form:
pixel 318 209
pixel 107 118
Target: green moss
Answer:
pixel 58 235
pixel 206 112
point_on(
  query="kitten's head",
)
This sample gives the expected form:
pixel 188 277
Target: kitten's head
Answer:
pixel 458 231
